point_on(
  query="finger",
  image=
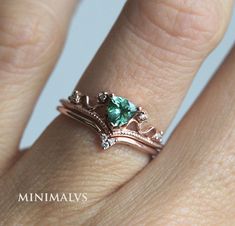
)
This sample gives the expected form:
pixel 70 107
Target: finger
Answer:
pixel 31 37
pixel 151 70
pixel 196 186
pixel 147 55
pixel 150 61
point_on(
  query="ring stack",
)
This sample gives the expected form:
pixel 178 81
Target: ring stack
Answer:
pixel 115 119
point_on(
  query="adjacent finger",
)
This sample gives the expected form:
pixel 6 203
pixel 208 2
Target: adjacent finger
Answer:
pixel 31 37
pixel 192 182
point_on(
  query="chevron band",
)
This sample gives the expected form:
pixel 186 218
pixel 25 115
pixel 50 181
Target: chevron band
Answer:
pixel 115 119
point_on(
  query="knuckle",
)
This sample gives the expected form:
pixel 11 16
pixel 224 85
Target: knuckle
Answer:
pixel 180 27
pixel 26 41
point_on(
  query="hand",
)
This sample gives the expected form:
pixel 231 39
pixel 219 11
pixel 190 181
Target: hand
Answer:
pixel 150 57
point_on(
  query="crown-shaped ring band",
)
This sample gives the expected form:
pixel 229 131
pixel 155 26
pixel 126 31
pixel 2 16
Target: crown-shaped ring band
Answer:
pixel 115 119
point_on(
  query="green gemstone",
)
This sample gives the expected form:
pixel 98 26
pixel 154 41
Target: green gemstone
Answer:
pixel 120 111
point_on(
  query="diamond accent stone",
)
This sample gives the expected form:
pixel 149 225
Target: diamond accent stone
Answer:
pixel 103 137
pixel 107 142
pixel 142 116
pixel 102 97
pixel 75 97
pixel 158 136
pixel 112 141
pixel 105 145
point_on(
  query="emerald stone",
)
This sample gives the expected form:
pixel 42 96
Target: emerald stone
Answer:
pixel 120 111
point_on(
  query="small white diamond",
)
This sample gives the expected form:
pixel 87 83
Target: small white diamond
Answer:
pixel 102 97
pixel 158 136
pixel 103 137
pixel 75 97
pixel 104 141
pixel 142 116
pixel 112 141
pixel 105 144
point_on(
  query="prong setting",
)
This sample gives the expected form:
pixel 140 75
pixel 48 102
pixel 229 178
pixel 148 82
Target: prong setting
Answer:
pixel 142 116
pixel 103 97
pixel 107 142
pixel 158 136
pixel 75 97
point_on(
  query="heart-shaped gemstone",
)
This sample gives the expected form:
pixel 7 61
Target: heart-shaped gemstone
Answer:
pixel 120 111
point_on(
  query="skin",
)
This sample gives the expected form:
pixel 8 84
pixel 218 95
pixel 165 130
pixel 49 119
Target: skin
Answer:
pixel 154 49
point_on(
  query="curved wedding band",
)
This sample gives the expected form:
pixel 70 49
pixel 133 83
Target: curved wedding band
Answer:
pixel 116 119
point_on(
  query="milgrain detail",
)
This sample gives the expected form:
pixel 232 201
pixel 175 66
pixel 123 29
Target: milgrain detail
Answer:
pixel 91 116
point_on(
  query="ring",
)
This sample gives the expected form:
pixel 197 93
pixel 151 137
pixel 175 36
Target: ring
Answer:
pixel 116 119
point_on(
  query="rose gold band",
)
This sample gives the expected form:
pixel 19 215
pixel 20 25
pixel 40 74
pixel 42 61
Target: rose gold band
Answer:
pixel 93 112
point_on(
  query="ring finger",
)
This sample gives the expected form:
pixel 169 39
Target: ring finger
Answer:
pixel 150 60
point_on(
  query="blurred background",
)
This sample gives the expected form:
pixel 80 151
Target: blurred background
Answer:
pixel 89 27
